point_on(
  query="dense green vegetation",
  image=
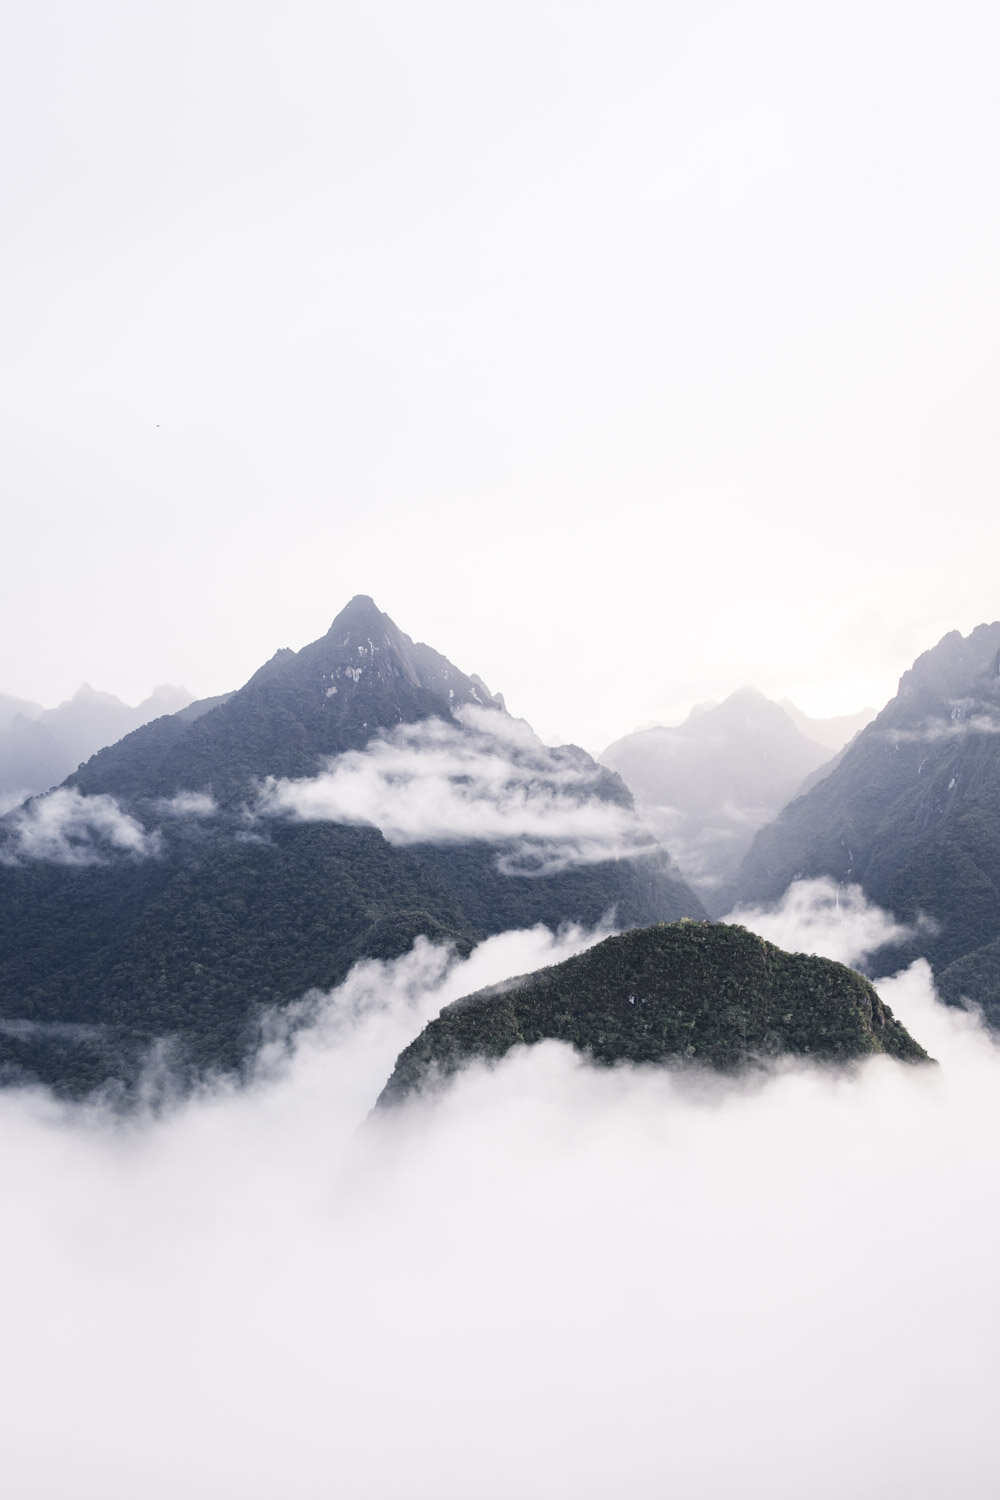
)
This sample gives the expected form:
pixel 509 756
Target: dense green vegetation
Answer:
pixel 686 993
pixel 193 945
pixel 99 962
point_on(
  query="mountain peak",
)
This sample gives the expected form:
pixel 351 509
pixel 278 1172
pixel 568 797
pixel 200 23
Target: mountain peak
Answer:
pixel 707 785
pixel 168 691
pixel 362 678
pixel 87 694
pixel 957 668
pixel 359 613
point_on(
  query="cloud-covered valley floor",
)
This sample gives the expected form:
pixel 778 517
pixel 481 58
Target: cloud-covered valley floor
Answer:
pixel 550 1281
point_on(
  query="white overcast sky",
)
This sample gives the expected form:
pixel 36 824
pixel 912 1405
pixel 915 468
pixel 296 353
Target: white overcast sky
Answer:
pixel 624 352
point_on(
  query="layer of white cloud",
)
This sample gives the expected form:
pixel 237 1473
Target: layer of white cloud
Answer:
pixel 550 1280
pixel 946 729
pixel 821 916
pixel 486 779
pixel 65 827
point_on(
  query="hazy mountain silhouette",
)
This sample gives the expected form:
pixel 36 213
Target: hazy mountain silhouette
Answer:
pixel 709 784
pixel 11 708
pixel 834 733
pixel 39 747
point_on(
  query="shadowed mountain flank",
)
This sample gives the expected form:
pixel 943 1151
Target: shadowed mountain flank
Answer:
pixel 911 812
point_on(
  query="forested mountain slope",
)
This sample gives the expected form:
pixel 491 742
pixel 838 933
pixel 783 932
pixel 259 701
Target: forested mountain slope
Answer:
pixel 351 796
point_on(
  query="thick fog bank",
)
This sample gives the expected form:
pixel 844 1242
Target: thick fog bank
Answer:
pixel 551 1281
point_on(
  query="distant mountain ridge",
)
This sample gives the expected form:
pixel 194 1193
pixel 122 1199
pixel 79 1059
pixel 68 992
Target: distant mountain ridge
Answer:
pixel 157 896
pixel 706 786
pixel 912 813
pixel 39 747
pixel 12 708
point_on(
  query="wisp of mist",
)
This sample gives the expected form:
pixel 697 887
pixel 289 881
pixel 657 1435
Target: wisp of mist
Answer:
pixel 549 1280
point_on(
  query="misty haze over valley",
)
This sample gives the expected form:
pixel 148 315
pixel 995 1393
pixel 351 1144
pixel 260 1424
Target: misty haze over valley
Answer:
pixel 707 786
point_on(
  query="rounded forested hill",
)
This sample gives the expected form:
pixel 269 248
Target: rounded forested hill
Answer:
pixel 689 992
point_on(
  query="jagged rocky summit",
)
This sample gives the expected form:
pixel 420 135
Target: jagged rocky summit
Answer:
pixel 156 900
pixel 681 993
pixel 363 676
pixel 911 812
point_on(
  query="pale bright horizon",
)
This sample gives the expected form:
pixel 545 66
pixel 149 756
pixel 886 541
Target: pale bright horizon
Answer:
pixel 625 354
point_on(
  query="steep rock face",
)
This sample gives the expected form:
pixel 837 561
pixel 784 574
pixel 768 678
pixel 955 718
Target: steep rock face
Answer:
pixel 912 813
pixel 706 786
pixel 686 993
pixel 207 910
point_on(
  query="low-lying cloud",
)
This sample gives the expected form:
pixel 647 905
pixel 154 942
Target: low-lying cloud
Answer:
pixel 68 828
pixel 945 729
pixel 486 779
pixel 824 917
pixel 549 1280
